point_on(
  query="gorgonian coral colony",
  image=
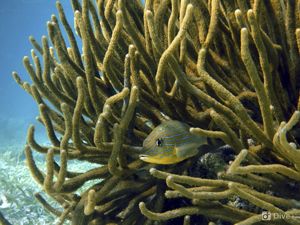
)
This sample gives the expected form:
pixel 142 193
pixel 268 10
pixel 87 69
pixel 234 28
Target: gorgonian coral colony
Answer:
pixel 229 69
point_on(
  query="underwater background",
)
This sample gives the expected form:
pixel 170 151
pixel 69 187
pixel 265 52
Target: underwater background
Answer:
pixel 18 20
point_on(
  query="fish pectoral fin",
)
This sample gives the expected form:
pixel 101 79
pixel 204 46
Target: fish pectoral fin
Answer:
pixel 186 150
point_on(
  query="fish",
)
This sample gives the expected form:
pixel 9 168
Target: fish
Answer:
pixel 170 142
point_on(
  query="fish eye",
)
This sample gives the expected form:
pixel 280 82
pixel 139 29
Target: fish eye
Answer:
pixel 159 142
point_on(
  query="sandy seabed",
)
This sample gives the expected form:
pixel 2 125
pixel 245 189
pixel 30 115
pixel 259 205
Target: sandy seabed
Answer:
pixel 17 188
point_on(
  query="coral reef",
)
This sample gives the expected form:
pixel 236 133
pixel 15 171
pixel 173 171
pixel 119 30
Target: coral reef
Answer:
pixel 229 69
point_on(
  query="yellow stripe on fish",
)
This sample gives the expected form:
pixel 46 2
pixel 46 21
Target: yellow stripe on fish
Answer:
pixel 170 142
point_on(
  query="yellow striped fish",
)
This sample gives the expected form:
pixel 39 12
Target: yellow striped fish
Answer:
pixel 170 142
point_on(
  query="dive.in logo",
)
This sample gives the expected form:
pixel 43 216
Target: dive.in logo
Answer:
pixel 266 216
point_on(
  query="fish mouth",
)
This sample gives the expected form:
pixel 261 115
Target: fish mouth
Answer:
pixel 143 157
pixel 147 158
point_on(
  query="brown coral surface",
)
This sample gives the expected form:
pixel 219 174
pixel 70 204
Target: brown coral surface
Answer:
pixel 229 69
